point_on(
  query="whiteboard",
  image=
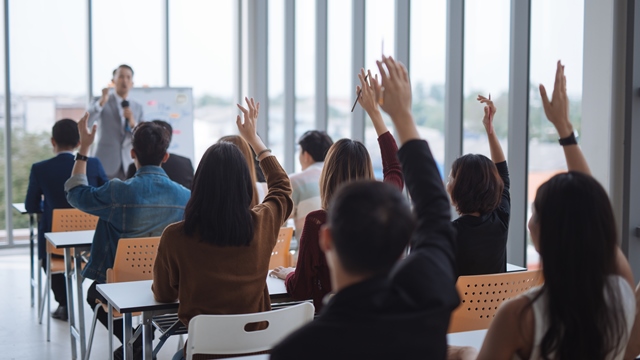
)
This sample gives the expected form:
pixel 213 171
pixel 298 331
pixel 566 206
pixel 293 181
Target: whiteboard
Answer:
pixel 175 106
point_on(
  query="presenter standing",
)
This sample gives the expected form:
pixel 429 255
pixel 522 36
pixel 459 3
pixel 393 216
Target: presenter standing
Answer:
pixel 117 116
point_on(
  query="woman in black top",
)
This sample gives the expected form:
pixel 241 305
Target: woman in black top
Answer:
pixel 479 190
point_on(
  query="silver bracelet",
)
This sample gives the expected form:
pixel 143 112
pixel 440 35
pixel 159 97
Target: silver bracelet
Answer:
pixel 261 152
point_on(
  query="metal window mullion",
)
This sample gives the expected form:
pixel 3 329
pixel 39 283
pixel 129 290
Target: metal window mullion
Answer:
pixel 321 102
pixel 403 31
pixel 518 154
pixel 357 62
pixel 166 43
pixel 237 53
pixel 89 51
pixel 258 64
pixel 289 84
pixel 8 195
pixel 454 82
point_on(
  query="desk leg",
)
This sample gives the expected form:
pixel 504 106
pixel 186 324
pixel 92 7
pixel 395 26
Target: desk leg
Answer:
pixel 31 243
pixel 110 327
pixel 80 323
pixel 128 344
pixel 147 342
pixel 72 315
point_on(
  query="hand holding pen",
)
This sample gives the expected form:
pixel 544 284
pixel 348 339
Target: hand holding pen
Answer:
pixel 368 100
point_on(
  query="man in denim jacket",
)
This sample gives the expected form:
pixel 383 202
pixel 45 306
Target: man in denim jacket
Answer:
pixel 139 207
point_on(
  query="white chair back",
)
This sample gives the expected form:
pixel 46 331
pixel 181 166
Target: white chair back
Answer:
pixel 226 335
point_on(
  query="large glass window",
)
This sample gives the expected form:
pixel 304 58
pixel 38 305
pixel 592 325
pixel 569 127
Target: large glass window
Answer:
pixel 486 71
pixel 305 68
pixel 428 69
pixel 201 39
pixel 48 82
pixel 276 78
pixel 548 19
pixel 339 54
pixel 125 32
pixel 379 39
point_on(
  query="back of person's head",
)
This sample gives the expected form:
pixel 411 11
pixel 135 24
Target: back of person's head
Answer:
pixel 150 143
pixel 347 160
pixel 316 143
pixel 475 185
pixel 370 224
pixel 574 229
pixel 166 126
pixel 218 209
pixel 246 151
pixel 65 133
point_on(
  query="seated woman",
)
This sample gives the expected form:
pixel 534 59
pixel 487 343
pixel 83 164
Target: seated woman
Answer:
pixel 586 307
pixel 479 190
pixel 346 161
pixel 217 259
pixel 259 188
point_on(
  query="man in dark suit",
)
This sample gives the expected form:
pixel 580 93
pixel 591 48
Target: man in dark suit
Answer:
pixel 47 180
pixel 117 115
pixel 178 168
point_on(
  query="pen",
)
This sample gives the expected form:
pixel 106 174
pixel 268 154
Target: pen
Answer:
pixel 359 93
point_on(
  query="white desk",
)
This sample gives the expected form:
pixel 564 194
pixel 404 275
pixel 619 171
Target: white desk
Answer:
pixel 512 268
pixel 136 296
pixel 19 207
pixel 467 338
pixel 78 240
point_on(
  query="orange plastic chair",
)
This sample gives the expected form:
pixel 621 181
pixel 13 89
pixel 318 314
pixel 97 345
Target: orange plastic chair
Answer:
pixel 133 262
pixel 62 220
pixel 481 295
pixel 280 255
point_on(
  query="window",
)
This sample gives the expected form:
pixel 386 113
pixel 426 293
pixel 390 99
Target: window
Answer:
pixel 548 19
pixel 339 52
pixel 428 69
pixel 276 78
pixel 48 79
pixel 201 40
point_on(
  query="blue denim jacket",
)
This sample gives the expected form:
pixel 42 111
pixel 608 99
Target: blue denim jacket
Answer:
pixel 139 207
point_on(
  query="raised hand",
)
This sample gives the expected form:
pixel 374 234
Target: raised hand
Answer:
pixel 105 96
pixel 368 100
pixel 557 110
pixel 248 128
pixel 86 136
pixel 394 96
pixel 489 113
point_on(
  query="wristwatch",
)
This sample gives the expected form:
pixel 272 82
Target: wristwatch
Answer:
pixel 81 157
pixel 569 140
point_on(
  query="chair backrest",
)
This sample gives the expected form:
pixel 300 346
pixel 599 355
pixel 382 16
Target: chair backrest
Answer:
pixel 481 295
pixel 70 220
pixel 280 255
pixel 226 334
pixel 134 260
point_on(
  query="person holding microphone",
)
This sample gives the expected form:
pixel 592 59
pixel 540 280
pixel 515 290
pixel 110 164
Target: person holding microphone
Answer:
pixel 117 115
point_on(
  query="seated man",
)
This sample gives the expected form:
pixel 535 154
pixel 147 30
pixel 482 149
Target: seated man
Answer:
pixel 139 207
pixel 178 168
pixel 47 180
pixel 382 308
pixel 306 189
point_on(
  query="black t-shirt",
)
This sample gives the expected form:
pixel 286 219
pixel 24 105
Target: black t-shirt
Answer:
pixel 482 240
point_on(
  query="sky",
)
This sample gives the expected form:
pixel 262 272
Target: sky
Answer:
pixel 49 43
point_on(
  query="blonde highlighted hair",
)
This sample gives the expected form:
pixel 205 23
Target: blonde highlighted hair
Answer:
pixel 347 160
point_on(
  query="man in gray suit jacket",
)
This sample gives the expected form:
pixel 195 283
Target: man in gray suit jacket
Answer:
pixel 117 116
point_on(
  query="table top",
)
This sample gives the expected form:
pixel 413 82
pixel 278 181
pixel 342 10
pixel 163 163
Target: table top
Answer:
pixel 511 268
pixel 19 207
pixel 467 338
pixel 137 296
pixel 70 239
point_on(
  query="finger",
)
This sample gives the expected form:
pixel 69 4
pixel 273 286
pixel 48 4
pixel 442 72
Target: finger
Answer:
pixel 480 97
pixel 558 79
pixel 544 97
pixel 94 128
pixel 404 72
pixel 239 121
pixel 486 111
pixel 383 73
pixel 358 88
pixel 369 78
pixel 377 89
pixel 361 78
pixel 391 66
pixel 257 108
pixel 244 111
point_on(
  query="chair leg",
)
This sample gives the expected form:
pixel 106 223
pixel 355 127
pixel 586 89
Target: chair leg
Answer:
pixel 93 330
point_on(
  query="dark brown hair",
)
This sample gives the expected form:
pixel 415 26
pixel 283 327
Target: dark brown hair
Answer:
pixel 475 184
pixel 245 149
pixel 150 143
pixel 347 160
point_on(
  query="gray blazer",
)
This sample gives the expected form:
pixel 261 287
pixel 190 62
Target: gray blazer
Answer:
pixel 113 146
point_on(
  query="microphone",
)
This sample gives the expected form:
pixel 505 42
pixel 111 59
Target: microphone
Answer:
pixel 125 104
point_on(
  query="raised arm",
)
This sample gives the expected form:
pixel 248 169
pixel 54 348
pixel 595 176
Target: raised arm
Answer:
pixel 557 111
pixel 497 155
pixel 368 101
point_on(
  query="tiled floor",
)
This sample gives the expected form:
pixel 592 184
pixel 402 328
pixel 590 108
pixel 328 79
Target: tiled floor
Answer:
pixel 21 337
